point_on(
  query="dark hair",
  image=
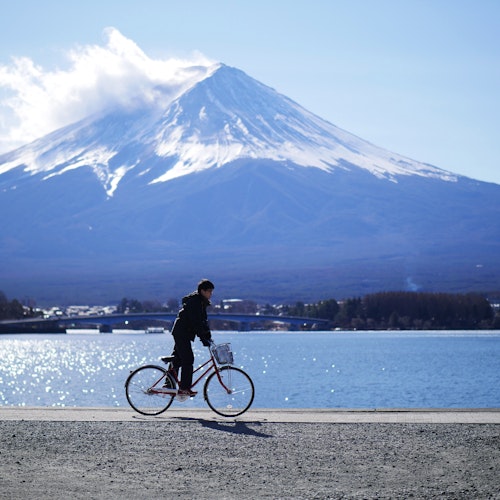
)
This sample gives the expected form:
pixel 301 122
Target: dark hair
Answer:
pixel 205 285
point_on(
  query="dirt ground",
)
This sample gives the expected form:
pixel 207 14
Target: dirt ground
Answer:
pixel 198 458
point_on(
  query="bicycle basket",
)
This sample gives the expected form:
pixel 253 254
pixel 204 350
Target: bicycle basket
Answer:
pixel 223 354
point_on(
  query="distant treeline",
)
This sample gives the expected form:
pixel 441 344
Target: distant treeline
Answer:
pixel 378 311
pixel 147 306
pixel 404 310
pixel 11 309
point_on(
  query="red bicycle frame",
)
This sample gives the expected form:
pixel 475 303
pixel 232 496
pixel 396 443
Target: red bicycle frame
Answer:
pixel 213 365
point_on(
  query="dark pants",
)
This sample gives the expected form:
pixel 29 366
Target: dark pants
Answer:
pixel 184 359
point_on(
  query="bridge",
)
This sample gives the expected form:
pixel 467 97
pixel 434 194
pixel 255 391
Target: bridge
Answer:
pixel 106 323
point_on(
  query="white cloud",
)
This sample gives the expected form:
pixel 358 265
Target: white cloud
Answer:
pixel 34 101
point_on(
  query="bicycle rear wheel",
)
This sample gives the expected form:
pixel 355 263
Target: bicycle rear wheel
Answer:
pixel 234 397
pixel 143 390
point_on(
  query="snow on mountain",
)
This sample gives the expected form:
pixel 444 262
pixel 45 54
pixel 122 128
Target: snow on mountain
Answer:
pixel 221 116
pixel 96 140
pixel 230 116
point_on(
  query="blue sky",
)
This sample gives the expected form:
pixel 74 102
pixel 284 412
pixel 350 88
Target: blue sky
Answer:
pixel 417 77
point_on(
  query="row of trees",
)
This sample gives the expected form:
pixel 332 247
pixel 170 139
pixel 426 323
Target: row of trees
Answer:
pixel 384 310
pixel 135 306
pixel 11 309
pixel 404 310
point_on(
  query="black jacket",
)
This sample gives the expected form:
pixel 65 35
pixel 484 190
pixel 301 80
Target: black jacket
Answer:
pixel 192 319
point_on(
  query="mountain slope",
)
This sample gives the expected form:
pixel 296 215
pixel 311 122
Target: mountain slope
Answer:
pixel 235 180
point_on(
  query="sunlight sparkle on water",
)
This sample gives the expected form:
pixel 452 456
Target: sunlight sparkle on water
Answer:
pixel 52 371
pixel 309 370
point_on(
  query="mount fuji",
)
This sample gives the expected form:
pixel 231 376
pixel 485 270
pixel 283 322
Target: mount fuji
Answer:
pixel 229 179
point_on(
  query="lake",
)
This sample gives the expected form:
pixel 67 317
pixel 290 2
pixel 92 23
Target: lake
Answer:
pixel 432 369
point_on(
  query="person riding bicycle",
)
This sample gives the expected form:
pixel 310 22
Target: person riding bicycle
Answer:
pixel 191 321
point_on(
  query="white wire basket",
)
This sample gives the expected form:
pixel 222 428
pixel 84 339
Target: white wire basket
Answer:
pixel 223 354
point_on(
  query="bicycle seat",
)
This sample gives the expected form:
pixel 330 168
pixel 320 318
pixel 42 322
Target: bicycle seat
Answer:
pixel 167 359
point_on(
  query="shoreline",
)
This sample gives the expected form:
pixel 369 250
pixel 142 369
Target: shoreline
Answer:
pixel 274 415
pixel 95 331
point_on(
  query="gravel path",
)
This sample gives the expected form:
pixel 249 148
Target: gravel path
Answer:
pixel 198 458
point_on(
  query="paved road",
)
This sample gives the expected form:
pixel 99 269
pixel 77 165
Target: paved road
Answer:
pixel 427 416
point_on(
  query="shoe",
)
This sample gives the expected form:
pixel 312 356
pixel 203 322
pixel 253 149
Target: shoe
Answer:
pixel 186 392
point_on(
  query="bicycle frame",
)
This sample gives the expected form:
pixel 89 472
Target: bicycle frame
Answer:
pixel 213 366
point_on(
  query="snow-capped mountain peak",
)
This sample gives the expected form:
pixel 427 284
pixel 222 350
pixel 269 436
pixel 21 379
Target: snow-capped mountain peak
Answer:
pixel 218 115
pixel 230 116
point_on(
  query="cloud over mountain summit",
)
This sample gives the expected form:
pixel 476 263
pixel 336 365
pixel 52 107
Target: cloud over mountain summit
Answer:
pixel 35 101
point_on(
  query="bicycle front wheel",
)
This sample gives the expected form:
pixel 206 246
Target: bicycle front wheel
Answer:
pixel 233 396
pixel 143 389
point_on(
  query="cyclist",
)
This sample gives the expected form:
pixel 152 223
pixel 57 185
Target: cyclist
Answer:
pixel 191 321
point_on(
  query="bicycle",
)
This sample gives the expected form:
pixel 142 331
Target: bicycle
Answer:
pixel 229 391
